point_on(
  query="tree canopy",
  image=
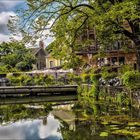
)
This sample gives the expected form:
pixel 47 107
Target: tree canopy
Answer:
pixel 16 55
pixel 112 20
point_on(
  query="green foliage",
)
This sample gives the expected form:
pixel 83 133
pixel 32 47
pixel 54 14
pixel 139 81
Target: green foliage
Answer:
pixel 113 20
pixel 131 79
pixel 49 79
pixel 94 91
pixel 107 75
pixel 122 99
pixel 104 134
pixel 19 112
pixel 85 77
pixel 48 107
pixel 95 78
pixel 22 66
pixel 72 78
pixel 4 69
pixel 127 132
pixel 21 79
pixel 38 79
pixel 77 79
pixel 124 69
pixel 73 61
pixel 16 55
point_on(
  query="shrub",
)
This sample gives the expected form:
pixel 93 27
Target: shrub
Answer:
pixel 23 66
pixel 122 99
pixel 108 76
pixel 39 79
pixel 95 78
pixel 85 77
pixel 131 79
pixel 20 79
pixel 48 79
pixel 73 78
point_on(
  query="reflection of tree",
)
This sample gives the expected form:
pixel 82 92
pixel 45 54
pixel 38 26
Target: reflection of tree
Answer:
pixel 18 112
pixel 85 130
pixel 91 128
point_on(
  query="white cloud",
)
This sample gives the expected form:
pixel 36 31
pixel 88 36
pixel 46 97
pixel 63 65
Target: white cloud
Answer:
pixel 6 7
pixel 4 17
pixel 4 32
pixel 4 38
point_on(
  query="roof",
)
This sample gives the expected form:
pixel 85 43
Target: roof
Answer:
pixel 36 50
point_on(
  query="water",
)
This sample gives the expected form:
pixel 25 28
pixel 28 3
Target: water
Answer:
pixel 40 122
pixel 47 128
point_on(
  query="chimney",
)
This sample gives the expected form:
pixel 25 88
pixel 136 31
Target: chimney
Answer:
pixel 41 44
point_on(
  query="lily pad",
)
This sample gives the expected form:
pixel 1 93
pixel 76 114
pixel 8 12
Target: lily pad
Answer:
pixel 103 134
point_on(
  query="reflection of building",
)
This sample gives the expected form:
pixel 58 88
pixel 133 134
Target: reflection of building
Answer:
pixel 50 129
pixel 67 116
pixel 113 55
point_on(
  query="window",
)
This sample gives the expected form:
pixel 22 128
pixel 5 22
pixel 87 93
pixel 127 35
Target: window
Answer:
pixel 121 60
pixel 61 62
pixel 117 45
pixel 114 60
pixel 51 64
pixel 135 66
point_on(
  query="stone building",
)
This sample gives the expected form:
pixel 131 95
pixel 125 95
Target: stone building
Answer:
pixel 40 55
pixel 44 59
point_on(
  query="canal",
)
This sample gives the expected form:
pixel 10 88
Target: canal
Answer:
pixel 49 121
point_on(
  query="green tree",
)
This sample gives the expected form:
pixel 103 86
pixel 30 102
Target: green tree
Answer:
pixel 112 19
pixel 16 55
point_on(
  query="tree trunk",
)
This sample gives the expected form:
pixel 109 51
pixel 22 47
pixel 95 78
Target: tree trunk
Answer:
pixel 138 59
pixel 137 43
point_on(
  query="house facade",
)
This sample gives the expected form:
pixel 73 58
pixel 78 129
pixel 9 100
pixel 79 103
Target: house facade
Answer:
pixel 52 62
pixel 40 55
pixel 44 59
pixel 114 56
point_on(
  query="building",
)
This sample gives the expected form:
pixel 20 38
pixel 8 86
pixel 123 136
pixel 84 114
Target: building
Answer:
pixel 113 56
pixel 40 55
pixel 52 62
pixel 44 59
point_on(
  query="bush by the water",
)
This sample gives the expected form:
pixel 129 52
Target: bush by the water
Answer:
pixel 131 79
pixel 21 79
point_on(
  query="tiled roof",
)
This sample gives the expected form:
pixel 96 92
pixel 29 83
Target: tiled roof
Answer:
pixel 36 50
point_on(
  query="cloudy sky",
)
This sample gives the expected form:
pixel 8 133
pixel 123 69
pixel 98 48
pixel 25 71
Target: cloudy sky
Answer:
pixel 8 8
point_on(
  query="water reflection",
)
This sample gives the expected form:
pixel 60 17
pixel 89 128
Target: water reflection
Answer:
pixel 46 129
pixel 50 128
pixel 100 122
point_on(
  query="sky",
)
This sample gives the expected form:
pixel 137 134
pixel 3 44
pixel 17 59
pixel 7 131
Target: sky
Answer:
pixel 9 8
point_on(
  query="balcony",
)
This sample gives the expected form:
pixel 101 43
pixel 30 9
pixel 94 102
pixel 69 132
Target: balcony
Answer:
pixel 91 49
